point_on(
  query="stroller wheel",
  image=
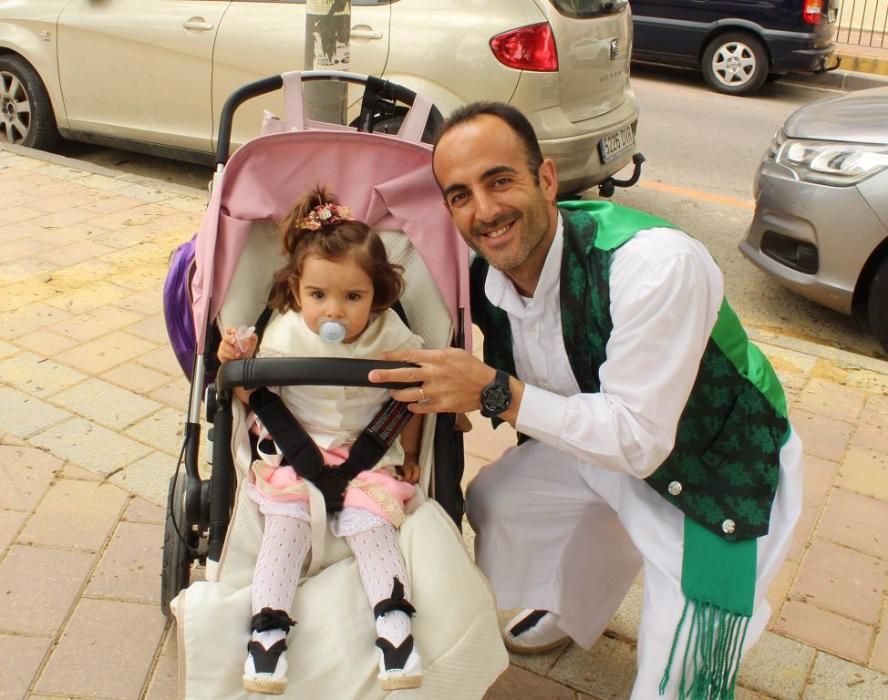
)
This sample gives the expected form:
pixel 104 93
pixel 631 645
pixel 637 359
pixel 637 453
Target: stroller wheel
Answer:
pixel 177 551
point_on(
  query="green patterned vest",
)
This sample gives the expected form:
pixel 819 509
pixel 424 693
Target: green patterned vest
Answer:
pixel 724 468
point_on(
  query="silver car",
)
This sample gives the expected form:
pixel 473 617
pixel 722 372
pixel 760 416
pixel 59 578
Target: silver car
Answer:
pixel 152 75
pixel 821 217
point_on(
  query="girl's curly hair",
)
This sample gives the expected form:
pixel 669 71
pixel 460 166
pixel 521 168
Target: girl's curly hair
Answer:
pixel 333 241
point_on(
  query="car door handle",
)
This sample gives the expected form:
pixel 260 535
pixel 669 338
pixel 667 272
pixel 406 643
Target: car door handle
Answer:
pixel 198 24
pixel 362 31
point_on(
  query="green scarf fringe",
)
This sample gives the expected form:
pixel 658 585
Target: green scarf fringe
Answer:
pixel 712 652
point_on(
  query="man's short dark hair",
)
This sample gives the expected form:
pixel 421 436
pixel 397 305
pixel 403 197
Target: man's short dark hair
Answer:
pixel 511 116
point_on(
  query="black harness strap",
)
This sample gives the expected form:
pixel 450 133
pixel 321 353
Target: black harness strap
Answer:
pixel 300 450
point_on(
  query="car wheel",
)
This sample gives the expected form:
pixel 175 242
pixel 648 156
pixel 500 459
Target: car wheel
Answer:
pixel 26 116
pixel 877 304
pixel 735 63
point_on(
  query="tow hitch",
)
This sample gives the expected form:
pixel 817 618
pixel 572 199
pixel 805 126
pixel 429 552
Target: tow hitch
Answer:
pixel 606 188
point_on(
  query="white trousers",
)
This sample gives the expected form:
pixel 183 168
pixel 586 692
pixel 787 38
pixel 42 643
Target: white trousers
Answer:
pixel 556 533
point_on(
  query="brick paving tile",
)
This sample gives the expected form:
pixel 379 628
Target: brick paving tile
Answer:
pixel 99 293
pixel 153 328
pixel 11 522
pixel 45 342
pixel 142 301
pixel 98 322
pixel 828 398
pixel 879 658
pixel 74 253
pixel 22 657
pixel 802 535
pixel 89 445
pixel 98 656
pixel 161 359
pixel 825 630
pixel 872 433
pixel 30 415
pixel 856 521
pixel 841 580
pixel 822 437
pixel 162 430
pixel 777 666
pixel 819 476
pixel 22 248
pixel 518 683
pixel 174 393
pixel 136 377
pixel 836 679
pixel 780 587
pixel 607 670
pixel 37 375
pixel 866 472
pixel 129 567
pixel 149 477
pixel 105 403
pixel 106 352
pixel 26 474
pixel 40 585
pixel 164 683
pixel 27 319
pixel 72 471
pixel 142 511
pixel 75 515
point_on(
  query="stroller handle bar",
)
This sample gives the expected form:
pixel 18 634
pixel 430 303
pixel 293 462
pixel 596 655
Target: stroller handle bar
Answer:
pixel 382 88
pixel 303 371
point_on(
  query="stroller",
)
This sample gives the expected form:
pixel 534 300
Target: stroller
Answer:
pixel 387 182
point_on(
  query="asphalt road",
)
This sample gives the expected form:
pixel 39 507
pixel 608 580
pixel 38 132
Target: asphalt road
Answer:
pixel 702 150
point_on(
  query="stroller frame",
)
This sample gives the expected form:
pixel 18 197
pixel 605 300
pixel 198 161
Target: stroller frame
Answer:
pixel 198 509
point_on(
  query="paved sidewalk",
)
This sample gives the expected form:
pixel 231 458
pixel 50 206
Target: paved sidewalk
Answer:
pixel 93 402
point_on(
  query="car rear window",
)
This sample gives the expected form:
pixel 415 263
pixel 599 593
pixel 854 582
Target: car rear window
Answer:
pixel 588 8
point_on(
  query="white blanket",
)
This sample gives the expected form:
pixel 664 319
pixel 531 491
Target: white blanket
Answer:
pixel 331 650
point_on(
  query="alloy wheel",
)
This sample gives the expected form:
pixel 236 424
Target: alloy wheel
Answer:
pixel 734 64
pixel 15 109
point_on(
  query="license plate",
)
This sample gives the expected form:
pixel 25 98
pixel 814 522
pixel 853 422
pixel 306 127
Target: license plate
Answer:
pixel 831 15
pixel 616 143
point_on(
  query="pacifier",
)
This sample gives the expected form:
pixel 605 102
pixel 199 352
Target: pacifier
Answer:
pixel 332 331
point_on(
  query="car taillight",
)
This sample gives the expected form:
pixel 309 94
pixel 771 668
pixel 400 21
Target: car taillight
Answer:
pixel 811 11
pixel 527 48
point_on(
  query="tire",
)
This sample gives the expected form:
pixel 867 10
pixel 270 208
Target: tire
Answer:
pixel 175 571
pixel 877 304
pixel 26 116
pixel 735 63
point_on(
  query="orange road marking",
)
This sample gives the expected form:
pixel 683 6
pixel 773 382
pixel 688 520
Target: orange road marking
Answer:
pixel 697 194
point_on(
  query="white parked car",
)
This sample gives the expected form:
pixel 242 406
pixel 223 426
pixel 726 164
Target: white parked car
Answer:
pixel 152 75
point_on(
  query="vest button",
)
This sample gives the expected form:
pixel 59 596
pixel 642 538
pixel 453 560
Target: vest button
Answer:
pixel 728 526
pixel 674 488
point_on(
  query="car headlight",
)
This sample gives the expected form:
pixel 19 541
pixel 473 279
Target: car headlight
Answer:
pixel 833 163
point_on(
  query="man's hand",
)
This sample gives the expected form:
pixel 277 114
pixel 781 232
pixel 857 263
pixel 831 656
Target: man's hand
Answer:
pixel 451 381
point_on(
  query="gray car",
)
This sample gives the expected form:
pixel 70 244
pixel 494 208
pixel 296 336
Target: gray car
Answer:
pixel 821 216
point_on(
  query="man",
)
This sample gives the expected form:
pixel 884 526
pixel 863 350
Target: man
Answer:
pixel 656 434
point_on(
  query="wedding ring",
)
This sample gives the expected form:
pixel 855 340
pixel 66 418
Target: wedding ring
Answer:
pixel 422 398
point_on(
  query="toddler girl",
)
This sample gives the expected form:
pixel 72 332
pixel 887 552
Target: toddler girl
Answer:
pixel 333 298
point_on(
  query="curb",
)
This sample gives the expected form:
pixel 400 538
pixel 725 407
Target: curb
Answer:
pixel 847 80
pixel 93 169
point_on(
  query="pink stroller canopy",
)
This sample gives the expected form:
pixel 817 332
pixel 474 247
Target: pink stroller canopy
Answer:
pixel 386 182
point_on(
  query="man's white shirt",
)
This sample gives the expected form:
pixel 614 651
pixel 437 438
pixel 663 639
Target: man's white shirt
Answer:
pixel 665 293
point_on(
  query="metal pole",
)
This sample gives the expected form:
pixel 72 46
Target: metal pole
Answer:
pixel 327 47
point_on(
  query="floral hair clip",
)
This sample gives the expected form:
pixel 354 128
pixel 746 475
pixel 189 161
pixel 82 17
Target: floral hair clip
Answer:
pixel 324 215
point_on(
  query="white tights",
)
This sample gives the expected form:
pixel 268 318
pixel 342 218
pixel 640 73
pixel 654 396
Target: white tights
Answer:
pixel 285 543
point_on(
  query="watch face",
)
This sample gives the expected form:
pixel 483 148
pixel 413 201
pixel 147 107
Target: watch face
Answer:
pixel 495 398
